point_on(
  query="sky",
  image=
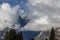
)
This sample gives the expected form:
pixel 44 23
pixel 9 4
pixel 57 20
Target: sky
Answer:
pixel 42 14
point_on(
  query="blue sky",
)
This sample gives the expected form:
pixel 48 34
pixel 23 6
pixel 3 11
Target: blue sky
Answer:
pixel 43 14
pixel 16 2
pixel 18 7
pixel 37 12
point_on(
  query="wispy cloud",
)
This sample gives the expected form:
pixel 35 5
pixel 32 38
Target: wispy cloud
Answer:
pixel 44 14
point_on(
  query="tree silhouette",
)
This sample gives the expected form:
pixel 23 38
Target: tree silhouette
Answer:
pixel 6 36
pixel 19 36
pixel 46 39
pixel 11 35
pixel 52 34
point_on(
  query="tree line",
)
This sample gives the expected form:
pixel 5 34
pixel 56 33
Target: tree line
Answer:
pixel 12 35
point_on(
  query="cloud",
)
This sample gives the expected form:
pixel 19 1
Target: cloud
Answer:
pixel 35 2
pixel 44 14
pixel 55 3
pixel 37 24
pixel 43 20
pixel 8 16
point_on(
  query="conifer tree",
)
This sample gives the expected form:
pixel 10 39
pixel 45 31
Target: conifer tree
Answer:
pixel 6 36
pixel 46 38
pixel 10 35
pixel 52 34
pixel 32 39
pixel 19 36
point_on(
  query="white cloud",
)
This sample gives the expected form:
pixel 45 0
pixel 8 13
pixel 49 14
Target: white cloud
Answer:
pixel 34 2
pixel 44 14
pixel 43 20
pixel 55 3
pixel 37 24
pixel 5 6
pixel 8 16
